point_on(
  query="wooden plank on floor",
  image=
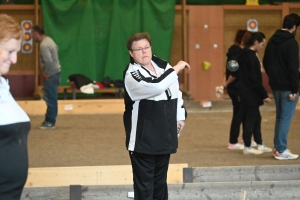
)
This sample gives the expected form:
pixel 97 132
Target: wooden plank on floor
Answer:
pixel 92 175
pixel 103 106
pixel 298 105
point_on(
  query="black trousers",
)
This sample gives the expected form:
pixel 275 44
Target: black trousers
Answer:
pixel 150 176
pixel 13 159
pixel 237 117
pixel 252 124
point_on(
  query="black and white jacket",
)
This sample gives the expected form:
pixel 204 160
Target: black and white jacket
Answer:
pixel 153 105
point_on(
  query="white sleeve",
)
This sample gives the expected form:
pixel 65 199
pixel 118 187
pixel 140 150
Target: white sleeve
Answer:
pixel 140 87
pixel 181 112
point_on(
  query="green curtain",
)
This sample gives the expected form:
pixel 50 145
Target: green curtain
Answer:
pixel 91 34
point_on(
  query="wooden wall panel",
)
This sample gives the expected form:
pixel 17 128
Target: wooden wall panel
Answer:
pixel 202 83
pixel 21 86
pixel 296 10
pixel 268 22
pixel 177 49
pixel 177 42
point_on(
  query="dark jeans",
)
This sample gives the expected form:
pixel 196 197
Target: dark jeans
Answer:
pixel 50 95
pixel 150 176
pixel 237 116
pixel 252 124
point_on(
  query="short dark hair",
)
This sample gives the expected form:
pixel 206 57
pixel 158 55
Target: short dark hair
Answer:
pixel 239 36
pixel 137 37
pixel 38 29
pixel 290 20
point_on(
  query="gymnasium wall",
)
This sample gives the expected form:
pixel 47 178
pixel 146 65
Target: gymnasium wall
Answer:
pixel 222 21
pixel 212 28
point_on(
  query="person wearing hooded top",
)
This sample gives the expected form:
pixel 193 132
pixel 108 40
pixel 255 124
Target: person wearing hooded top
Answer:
pixel 154 116
pixel 251 91
pixel 232 89
pixel 281 63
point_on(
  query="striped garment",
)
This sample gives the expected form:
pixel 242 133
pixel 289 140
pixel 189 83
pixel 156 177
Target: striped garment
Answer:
pixel 153 105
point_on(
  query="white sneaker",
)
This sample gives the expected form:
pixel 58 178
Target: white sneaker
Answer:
pixel 236 146
pixel 263 148
pixel 286 155
pixel 249 150
pixel 254 144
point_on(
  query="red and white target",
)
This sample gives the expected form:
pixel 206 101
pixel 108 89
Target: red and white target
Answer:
pixel 252 25
pixel 27 43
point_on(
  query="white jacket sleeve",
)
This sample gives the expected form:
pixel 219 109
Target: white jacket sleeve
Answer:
pixel 141 87
pixel 181 112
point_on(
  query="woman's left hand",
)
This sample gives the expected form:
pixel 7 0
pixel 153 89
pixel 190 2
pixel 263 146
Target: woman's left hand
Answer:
pixel 180 125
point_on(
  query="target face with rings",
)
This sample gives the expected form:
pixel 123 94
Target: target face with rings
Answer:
pixel 27 36
pixel 27 26
pixel 252 25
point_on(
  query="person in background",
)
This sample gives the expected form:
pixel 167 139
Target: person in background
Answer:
pixel 154 116
pixel 14 122
pixel 251 91
pixel 51 71
pixel 281 63
pixel 232 89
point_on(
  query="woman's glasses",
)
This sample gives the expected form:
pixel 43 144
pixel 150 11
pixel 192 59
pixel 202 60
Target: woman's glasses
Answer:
pixel 141 49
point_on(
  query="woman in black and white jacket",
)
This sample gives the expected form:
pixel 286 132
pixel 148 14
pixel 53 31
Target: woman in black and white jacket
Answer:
pixel 154 116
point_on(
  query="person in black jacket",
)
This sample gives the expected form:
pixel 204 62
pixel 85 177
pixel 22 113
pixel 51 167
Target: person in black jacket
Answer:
pixel 154 116
pixel 232 89
pixel 281 63
pixel 251 91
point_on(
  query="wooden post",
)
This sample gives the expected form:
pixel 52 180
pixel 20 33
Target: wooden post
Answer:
pixel 36 16
pixel 184 42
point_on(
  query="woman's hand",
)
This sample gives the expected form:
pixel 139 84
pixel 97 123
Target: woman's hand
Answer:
pixel 180 66
pixel 180 125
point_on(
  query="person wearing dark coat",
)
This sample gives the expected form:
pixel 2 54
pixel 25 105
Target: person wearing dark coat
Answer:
pixel 232 89
pixel 251 91
pixel 281 63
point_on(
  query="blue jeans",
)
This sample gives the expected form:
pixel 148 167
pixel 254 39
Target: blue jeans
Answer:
pixel 285 110
pixel 50 95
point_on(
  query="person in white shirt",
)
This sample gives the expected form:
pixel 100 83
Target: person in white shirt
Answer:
pixel 14 122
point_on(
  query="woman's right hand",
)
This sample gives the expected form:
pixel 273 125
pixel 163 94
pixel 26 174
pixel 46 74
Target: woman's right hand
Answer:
pixel 180 66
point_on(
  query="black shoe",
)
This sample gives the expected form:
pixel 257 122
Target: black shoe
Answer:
pixel 47 125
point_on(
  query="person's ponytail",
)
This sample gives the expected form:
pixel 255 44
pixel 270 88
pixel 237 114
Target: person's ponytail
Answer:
pixel 247 39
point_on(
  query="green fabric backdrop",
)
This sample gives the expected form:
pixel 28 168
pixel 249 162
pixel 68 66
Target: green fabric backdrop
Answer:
pixel 91 34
